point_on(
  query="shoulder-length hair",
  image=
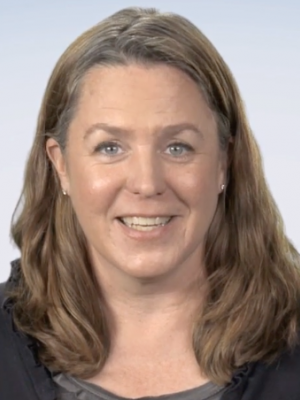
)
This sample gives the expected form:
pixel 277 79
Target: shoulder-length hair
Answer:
pixel 252 307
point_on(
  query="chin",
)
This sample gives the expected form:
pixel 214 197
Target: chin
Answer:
pixel 148 271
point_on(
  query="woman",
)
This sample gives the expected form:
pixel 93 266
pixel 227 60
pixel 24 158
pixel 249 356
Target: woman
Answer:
pixel 153 257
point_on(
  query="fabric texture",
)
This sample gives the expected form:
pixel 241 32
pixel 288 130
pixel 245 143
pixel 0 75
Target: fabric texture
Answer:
pixel 23 377
pixel 70 388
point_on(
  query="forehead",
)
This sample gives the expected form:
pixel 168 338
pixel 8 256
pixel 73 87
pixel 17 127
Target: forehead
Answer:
pixel 141 95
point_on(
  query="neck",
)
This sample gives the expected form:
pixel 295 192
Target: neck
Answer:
pixel 160 312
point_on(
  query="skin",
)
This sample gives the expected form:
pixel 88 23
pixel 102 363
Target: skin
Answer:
pixel 151 283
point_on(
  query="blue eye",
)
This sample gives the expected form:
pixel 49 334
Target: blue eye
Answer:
pixel 108 148
pixel 179 149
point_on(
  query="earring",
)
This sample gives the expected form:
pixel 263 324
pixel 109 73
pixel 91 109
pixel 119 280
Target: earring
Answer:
pixel 222 187
pixel 64 192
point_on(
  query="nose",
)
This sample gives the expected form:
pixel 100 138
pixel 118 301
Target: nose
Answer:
pixel 145 174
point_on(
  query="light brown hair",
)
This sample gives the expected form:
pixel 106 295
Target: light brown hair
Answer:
pixel 252 309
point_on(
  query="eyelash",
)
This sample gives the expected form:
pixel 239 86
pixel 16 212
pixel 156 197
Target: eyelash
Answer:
pixel 105 145
pixel 186 147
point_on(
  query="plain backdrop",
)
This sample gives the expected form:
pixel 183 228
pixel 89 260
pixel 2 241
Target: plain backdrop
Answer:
pixel 259 39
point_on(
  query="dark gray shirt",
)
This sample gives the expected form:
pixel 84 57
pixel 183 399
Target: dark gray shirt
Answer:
pixel 71 388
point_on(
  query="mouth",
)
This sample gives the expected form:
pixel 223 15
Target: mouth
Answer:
pixel 145 223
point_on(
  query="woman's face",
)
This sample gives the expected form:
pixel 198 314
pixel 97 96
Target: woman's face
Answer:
pixel 143 169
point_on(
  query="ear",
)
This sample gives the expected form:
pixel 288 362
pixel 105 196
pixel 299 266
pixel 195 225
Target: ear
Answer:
pixel 58 160
pixel 223 167
pixel 226 156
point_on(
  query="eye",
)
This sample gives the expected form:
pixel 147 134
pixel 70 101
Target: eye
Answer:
pixel 108 148
pixel 179 149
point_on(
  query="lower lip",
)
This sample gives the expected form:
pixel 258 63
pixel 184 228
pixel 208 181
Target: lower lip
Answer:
pixel 157 232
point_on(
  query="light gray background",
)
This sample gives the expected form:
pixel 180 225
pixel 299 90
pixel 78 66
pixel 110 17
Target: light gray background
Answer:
pixel 259 39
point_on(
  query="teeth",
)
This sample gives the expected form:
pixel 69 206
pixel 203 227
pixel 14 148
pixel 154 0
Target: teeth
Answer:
pixel 141 223
pixel 144 228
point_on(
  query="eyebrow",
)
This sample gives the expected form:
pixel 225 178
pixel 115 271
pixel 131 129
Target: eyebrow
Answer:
pixel 118 131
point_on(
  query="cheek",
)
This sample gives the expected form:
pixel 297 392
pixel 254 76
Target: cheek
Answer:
pixel 199 185
pixel 92 188
pixel 199 191
pixel 203 205
pixel 203 200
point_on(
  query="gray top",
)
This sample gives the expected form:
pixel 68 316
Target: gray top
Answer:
pixel 70 388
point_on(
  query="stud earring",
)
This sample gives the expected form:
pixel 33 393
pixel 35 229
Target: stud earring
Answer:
pixel 64 192
pixel 222 187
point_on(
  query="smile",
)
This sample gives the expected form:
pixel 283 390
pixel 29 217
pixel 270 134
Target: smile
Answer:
pixel 145 224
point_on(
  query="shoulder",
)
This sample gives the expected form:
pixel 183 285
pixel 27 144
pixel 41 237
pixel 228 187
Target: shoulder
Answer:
pixel 282 378
pixel 3 303
pixel 7 285
pixel 2 291
pixel 11 369
pixel 3 286
pixel 7 330
pixel 260 381
pixel 18 362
